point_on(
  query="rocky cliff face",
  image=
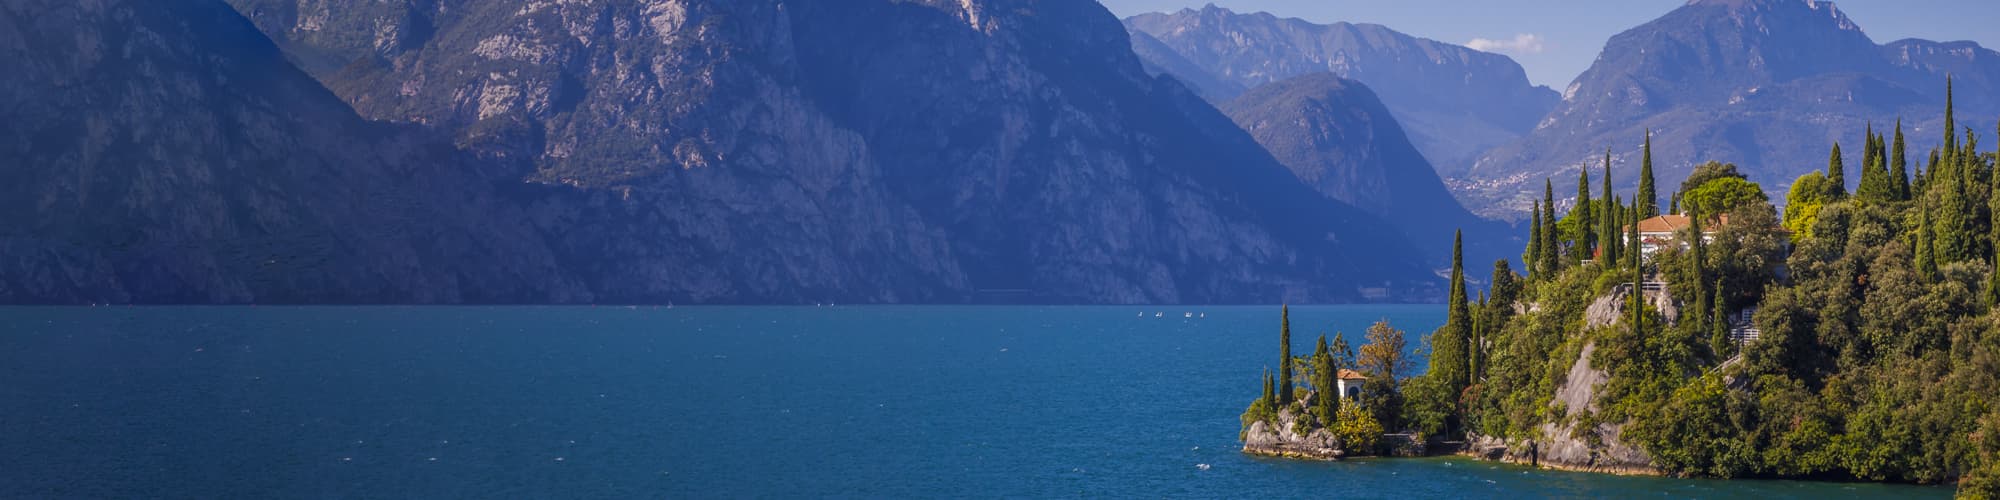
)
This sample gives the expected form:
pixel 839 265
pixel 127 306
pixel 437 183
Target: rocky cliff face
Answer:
pixel 1455 102
pixel 1764 84
pixel 1287 437
pixel 870 151
pixel 167 152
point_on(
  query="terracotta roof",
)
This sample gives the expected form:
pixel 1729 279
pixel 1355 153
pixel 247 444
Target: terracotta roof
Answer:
pixel 1346 374
pixel 1674 223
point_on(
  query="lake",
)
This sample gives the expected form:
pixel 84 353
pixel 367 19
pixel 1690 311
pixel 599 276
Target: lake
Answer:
pixel 698 402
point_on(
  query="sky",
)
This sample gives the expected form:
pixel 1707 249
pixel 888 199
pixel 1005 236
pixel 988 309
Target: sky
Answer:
pixel 1555 40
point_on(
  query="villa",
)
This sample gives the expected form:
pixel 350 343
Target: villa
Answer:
pixel 1657 232
pixel 1349 383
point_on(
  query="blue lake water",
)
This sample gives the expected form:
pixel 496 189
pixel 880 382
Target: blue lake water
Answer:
pixel 697 402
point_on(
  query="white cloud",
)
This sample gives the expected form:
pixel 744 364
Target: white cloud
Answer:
pixel 1525 43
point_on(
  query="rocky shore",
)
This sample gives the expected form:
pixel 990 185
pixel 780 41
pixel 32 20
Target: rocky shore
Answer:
pixel 1564 453
pixel 1280 440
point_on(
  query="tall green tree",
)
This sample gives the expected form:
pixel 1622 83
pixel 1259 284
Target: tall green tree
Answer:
pixel 1635 265
pixel 1475 357
pixel 1927 266
pixel 1506 286
pixel 1551 261
pixel 1993 237
pixel 1950 117
pixel 1836 176
pixel 1875 185
pixel 1449 360
pixel 1325 373
pixel 1953 220
pixel 1919 180
pixel 1533 257
pixel 1607 224
pixel 1718 337
pixel 1992 292
pixel 1899 174
pixel 1648 198
pixel 1586 238
pixel 1270 394
pixel 1284 355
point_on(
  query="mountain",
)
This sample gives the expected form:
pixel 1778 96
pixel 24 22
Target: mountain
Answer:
pixel 1455 102
pixel 1765 84
pixel 167 152
pixel 865 151
pixel 1334 134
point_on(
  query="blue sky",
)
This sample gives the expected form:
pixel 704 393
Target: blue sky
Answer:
pixel 1557 39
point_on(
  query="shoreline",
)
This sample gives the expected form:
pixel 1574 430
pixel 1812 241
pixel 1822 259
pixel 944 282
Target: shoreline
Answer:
pixel 1315 454
pixel 1615 470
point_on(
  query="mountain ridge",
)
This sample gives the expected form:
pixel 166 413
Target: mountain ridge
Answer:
pixel 1761 83
pixel 1032 156
pixel 1453 101
pixel 166 152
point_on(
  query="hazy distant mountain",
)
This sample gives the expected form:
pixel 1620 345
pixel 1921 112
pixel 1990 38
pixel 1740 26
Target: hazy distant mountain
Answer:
pixel 165 151
pixel 867 150
pixel 1766 84
pixel 1454 102
pixel 1338 137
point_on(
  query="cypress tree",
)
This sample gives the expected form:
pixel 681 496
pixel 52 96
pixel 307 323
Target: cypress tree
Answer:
pixel 1475 352
pixel 1698 272
pixel 1699 249
pixel 1899 174
pixel 1926 245
pixel 1718 337
pixel 1607 225
pixel 1836 176
pixel 1270 395
pixel 1534 254
pixel 1867 149
pixel 1325 373
pixel 1993 282
pixel 1551 263
pixel 1950 118
pixel 1284 355
pixel 1874 172
pixel 1637 306
pixel 1920 183
pixel 1586 236
pixel 1953 220
pixel 1448 345
pixel 1647 200
pixel 1506 290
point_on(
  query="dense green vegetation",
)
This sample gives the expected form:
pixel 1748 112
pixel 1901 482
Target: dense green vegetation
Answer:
pixel 1877 346
pixel 1878 354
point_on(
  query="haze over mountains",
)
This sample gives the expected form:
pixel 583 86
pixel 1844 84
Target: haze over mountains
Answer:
pixel 1336 136
pixel 1764 84
pixel 656 151
pixel 1454 102
pixel 163 152
pixel 773 151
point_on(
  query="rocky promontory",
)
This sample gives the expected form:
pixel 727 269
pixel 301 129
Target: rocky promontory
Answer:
pixel 1281 438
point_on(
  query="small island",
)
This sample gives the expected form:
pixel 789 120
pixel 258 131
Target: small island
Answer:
pixel 1853 337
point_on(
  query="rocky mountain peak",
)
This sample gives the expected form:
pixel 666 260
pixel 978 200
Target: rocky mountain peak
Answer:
pixel 859 151
pixel 1764 84
pixel 1453 101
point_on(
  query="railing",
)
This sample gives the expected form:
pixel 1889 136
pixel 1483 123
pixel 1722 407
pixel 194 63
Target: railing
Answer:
pixel 1742 329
